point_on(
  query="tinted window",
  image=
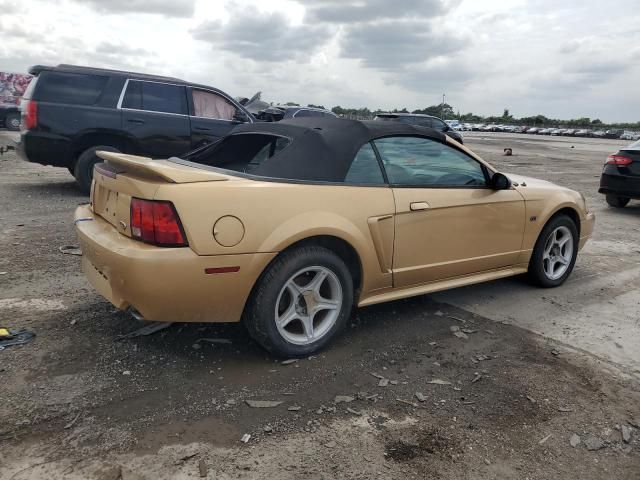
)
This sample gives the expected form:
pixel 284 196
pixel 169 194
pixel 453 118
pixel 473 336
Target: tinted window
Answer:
pixel 424 162
pixel 309 113
pixel 241 152
pixel 155 97
pixel 70 88
pixel 421 121
pixel 365 167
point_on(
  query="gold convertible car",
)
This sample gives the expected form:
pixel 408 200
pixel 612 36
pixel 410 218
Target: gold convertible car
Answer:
pixel 286 226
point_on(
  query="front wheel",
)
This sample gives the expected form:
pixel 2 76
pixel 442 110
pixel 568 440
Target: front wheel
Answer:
pixel 555 252
pixel 301 302
pixel 617 202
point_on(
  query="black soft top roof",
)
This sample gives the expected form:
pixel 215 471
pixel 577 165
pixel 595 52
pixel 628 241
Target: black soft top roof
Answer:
pixel 322 148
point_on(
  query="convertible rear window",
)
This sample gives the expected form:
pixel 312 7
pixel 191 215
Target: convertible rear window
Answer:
pixel 242 152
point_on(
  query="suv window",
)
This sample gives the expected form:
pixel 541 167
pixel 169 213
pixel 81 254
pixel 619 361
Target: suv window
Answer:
pixel 365 167
pixel 70 88
pixel 210 105
pixel 427 163
pixel 155 97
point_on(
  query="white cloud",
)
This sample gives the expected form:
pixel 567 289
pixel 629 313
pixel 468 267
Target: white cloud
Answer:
pixel 569 59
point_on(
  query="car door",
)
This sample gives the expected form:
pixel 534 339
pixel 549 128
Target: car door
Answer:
pixel 155 115
pixel 212 116
pixel 448 222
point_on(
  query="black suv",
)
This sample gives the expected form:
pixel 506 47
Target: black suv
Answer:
pixel 421 120
pixel 70 112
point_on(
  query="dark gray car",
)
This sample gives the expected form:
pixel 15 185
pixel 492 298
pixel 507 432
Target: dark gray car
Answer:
pixel 421 120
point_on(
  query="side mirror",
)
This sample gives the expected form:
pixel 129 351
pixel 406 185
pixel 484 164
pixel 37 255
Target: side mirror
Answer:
pixel 240 116
pixel 500 181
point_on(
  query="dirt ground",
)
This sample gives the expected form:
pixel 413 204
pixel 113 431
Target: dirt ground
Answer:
pixel 545 386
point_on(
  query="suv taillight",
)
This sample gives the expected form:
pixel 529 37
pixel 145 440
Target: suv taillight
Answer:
pixel 619 160
pixel 156 222
pixel 30 115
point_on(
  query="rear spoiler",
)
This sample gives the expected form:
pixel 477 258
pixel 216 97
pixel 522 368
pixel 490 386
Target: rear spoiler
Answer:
pixel 158 169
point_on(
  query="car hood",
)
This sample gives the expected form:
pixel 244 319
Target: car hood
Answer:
pixel 537 189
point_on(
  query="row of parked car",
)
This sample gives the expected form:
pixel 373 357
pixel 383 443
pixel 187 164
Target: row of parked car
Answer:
pixel 568 132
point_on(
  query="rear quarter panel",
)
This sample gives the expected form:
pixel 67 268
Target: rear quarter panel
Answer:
pixel 277 215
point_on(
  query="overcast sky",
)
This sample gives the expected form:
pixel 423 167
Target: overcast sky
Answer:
pixel 568 58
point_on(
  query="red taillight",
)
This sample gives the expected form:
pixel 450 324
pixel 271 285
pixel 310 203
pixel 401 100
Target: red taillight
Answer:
pixel 156 222
pixel 619 160
pixel 30 115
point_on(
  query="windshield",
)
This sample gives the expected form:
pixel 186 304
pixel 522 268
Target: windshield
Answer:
pixel 634 146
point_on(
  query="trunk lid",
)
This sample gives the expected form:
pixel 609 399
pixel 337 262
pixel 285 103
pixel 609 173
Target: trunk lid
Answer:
pixel 123 177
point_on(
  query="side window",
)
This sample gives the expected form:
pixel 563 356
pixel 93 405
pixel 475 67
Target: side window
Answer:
pixel 155 97
pixel 427 163
pixel 439 125
pixel 133 96
pixel 210 105
pixel 70 88
pixel 365 168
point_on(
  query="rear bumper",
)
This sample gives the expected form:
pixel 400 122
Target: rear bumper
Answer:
pixel 614 183
pixel 164 284
pixel 45 148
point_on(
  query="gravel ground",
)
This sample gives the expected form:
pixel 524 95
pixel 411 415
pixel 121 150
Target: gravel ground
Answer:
pixel 544 386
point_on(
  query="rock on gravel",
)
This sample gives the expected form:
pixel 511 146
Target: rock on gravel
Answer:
pixel 594 443
pixel 574 440
pixel 626 433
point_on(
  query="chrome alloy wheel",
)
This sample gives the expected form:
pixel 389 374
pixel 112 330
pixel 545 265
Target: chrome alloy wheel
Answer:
pixel 308 305
pixel 558 253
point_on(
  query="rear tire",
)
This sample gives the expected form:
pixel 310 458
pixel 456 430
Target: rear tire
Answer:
pixel 552 260
pixel 12 121
pixel 617 202
pixel 83 170
pixel 308 286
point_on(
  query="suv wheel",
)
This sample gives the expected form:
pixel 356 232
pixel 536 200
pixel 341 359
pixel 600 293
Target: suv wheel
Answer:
pixel 12 121
pixel 83 170
pixel 555 252
pixel 617 202
pixel 301 302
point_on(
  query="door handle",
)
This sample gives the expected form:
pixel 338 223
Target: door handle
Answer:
pixel 419 206
pixel 136 120
pixel 202 129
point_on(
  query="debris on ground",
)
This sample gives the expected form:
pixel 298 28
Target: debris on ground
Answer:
pixel 343 399
pixel 420 397
pixel 289 362
pixel 10 338
pixel 245 438
pixel 437 381
pixel 203 469
pixel 221 341
pixel 541 442
pixel 383 382
pixel 294 408
pixel 626 434
pixel 71 250
pixel 508 152
pixel 148 329
pixel 353 411
pixel 262 403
